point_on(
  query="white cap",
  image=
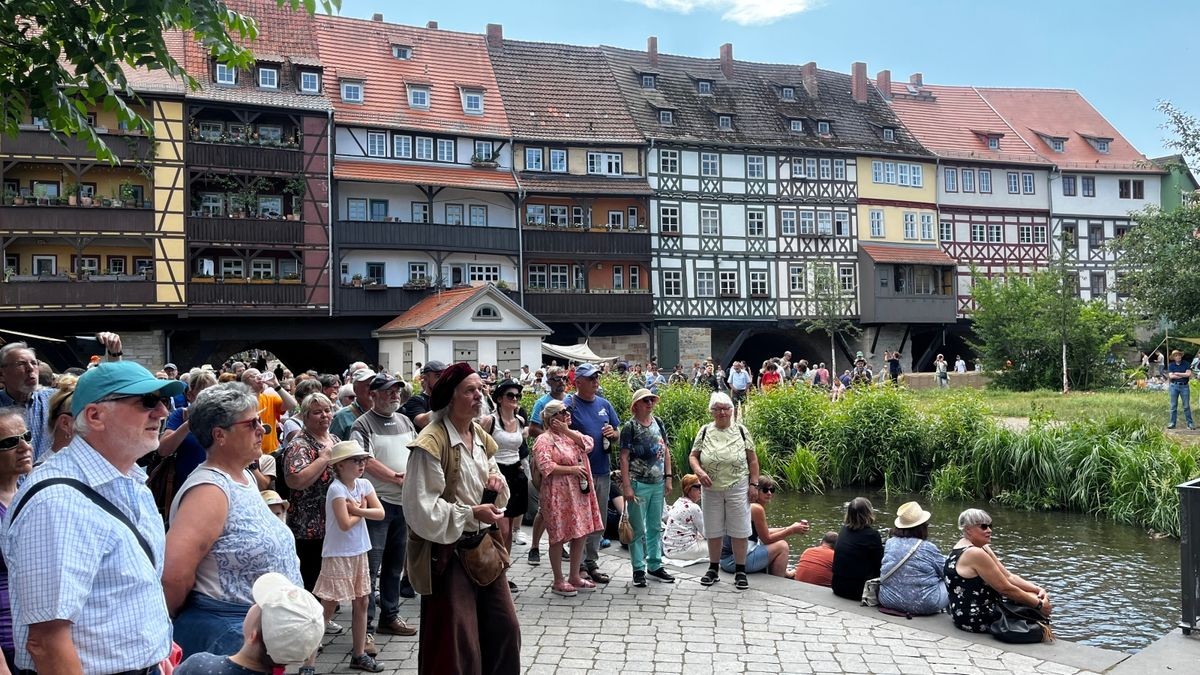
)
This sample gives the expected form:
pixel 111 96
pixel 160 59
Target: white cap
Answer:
pixel 293 621
pixel 363 375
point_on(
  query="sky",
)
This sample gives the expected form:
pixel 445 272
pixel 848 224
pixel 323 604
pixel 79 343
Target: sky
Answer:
pixel 1122 56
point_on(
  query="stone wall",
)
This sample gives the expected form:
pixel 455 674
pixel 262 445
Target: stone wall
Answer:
pixel 147 348
pixel 695 344
pixel 631 348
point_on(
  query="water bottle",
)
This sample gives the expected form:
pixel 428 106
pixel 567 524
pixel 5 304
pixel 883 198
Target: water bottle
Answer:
pixel 585 485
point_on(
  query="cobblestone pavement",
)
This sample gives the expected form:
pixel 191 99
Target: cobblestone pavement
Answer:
pixel 684 627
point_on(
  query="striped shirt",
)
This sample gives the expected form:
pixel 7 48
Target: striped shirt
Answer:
pixel 37 418
pixel 69 560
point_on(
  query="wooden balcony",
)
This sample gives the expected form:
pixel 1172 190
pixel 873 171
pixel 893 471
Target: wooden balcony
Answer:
pixel 75 219
pixel 244 157
pixel 49 293
pixel 568 242
pixel 424 237
pixel 39 143
pixel 386 301
pixel 909 309
pixel 589 305
pixel 245 231
pixel 243 293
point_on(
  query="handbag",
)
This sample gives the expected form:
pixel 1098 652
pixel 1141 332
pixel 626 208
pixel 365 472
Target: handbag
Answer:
pixel 870 595
pixel 624 528
pixel 1020 624
pixel 483 556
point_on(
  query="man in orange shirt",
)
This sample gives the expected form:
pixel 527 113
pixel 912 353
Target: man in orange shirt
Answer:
pixel 273 402
pixel 816 564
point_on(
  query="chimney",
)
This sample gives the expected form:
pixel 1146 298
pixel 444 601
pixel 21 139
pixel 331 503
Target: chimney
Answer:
pixel 727 60
pixel 858 81
pixel 652 51
pixel 808 75
pixel 916 80
pixel 432 25
pixel 377 17
pixel 495 35
pixel 884 82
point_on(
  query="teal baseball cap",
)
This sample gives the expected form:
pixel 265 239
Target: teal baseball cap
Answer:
pixel 119 377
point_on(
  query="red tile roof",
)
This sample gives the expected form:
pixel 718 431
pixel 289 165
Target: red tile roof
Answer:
pixel 445 60
pixel 1064 113
pixel 908 255
pixel 432 308
pixel 419 174
pixel 583 185
pixel 955 122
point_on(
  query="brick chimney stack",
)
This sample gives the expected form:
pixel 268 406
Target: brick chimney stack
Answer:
pixel 808 75
pixel 884 82
pixel 377 17
pixel 652 51
pixel 727 60
pixel 432 25
pixel 858 81
pixel 495 35
pixel 916 80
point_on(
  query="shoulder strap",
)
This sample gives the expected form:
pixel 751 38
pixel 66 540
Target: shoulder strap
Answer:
pixel 449 471
pixel 902 561
pixel 96 498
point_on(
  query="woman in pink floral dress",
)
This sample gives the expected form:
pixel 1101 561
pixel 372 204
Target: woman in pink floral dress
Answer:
pixel 570 514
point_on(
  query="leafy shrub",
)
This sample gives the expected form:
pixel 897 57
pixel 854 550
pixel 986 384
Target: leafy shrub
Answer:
pixel 801 472
pixel 785 416
pixel 679 404
pixel 875 436
pixel 614 388
pixel 681 445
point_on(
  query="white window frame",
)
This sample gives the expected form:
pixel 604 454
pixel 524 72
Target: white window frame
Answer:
pixel 808 222
pixel 672 283
pixel 558 160
pixel 846 278
pixel 797 126
pixel 978 233
pixel 666 117
pixel 826 169
pixel 211 131
pixel 446 150
pixel 825 223
pixel 483 273
pixel 889 173
pixel 910 225
pixel 995 233
pixel 728 284
pixel 535 214
pixel 1028 186
pixel 418 271
pixel 635 277
pixel 841 224
pixel 533 159
pixel 759 285
pixel 419 97
pixel 927 226
pixel 756 167
pixel 889 135
pixel 604 163
pixel 402 146
pixel 353 91
pixel 797 279
pixel 1057 144
pixel 878 227
pixel 356 209
pixel 950 179
pixel 967 180
pixel 787 93
pixel 1024 234
pixel 262 268
pixel 271 82
pixel 454 214
pixel 917 175
pixel 704 87
pixel 225 74
pixel 946 231
pixel 993 142
pixel 470 96
pixel 1039 234
pixel 725 122
pixel 231 267
pixel 478 215
pixel 616 220
pixel 756 223
pixel 537 277
pixel 668 218
pixel 902 174
pixel 985 181
pixel 787 222
pixel 1102 146
pixel 310 82
pixel 710 165
pixel 668 161
pixel 824 128
pixel 560 277
pixel 710 221
pixel 424 148
pixel 706 284
pixel 377 144
pixel 419 211
pixel 402 52
pixel 618 277
pixel 649 81
pixel 485 151
pixel 839 169
pixel 1014 183
pixel 877 171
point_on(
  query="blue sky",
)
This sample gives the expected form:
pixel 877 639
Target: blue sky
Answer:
pixel 1122 56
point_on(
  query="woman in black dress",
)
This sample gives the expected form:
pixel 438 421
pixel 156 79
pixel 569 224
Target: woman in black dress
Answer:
pixel 858 552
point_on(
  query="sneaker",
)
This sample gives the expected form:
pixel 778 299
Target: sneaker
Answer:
pixel 371 649
pixel 740 581
pixel 308 670
pixel 535 557
pixel 332 628
pixel 661 575
pixel 396 626
pixel 406 589
pixel 710 577
pixel 513 587
pixel 519 538
pixel 605 543
pixel 639 578
pixel 1170 426
pixel 365 662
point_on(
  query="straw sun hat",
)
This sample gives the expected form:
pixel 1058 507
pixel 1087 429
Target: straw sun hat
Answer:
pixel 910 514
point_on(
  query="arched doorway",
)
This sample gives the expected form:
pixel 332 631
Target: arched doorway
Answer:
pixel 757 345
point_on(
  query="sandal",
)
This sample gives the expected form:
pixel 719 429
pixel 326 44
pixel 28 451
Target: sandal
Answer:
pixel 365 662
pixel 564 590
pixel 740 582
pixel 598 576
pixel 710 577
pixel 585 586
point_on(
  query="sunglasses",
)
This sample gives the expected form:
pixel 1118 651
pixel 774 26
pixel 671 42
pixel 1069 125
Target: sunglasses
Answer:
pixel 149 401
pixel 512 396
pixel 694 487
pixel 359 460
pixel 253 424
pixel 554 379
pixel 767 490
pixel 13 441
pixel 985 526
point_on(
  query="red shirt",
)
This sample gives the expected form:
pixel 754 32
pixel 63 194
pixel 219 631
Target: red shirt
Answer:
pixel 816 566
pixel 770 379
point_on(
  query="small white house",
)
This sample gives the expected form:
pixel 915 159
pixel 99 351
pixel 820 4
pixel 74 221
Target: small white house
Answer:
pixel 478 324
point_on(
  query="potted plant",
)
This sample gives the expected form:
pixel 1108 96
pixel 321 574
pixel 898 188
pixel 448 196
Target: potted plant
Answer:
pixel 502 285
pixel 18 199
pixel 41 194
pixel 263 279
pixel 128 195
pixel 296 186
pixel 202 278
pixel 115 202
pixel 484 162
pixel 356 281
pixel 72 194
pixel 10 196
pixel 291 278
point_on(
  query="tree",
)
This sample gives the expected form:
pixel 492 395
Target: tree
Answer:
pixel 832 306
pixel 61 58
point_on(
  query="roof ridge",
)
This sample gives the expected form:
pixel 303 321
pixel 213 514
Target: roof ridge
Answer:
pixel 439 29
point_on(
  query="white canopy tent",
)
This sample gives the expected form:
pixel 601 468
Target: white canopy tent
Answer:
pixel 580 353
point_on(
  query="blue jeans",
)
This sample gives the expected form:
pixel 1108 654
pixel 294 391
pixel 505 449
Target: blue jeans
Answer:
pixel 1178 391
pixel 645 516
pixel 386 559
pixel 208 625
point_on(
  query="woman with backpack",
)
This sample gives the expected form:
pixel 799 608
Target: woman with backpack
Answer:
pixel 645 481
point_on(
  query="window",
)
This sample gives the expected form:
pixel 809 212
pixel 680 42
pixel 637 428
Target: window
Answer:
pixel 356 209
pixel 1087 185
pixel 796 278
pixel 616 220
pixel 798 170
pixel 946 231
pixel 668 161
pixel 724 122
pixel 402 146
pixel 978 232
pixel 274 132
pixel 268 78
pixel 710 165
pixel 1025 234
pixel 824 222
pixel 841 224
pixel 212 204
pixel 876 171
pixel 226 74
pixel 269 206
pixel 376 272
pixel 985 181
pixel 445 150
pixel 824 128
pixel 1014 183
pixel 424 148
pixel 1070 239
pixel 807 222
pixel 577 216
pixel 146 266
pixel 729 284
pixel 902 175
pixel 666 117
pixel 232 268
pixel 925 280
pixel 710 222
pixel 846 277
pixel 877 223
pixel 260 268
pixel 420 212
pixel 910 226
pixel 1095 236
pixel 927 226
pixel 668 219
pixel 484 150
pixel 1057 144
pixel 788 93
pixel 558 160
pixel 968 180
pixel 1131 189
pixel 673 283
pixel 1099 284
pixel 618 277
pixel 797 126
pixel 839 169
pixel 918 175
pixel 1039 234
pixel 310 82
pixel 826 169
pixel 1102 146
pixel 472 101
pixel 376 144
pixel 533 159
pixel 951 179
pixel 352 91
pixel 556 215
pixel 995 233
pixel 756 167
pixel 889 135
pixel 787 223
pixel 535 214
pixel 1068 185
pixel 604 163
pixel 756 223
pixel 810 167
pixel 418 97
pixel 704 87
pixel 45 265
pixel 1120 230
pixel 889 173
pixel 706 284
pixel 633 217
pixel 478 214
pixel 485 273
pixel 758 284
pixel 1027 183
pixel 403 52
pixel 454 214
pixel 211 131
pixel 635 276
pixel 558 277
pixel 647 81
pixel 418 271
pixel 537 276
pixel 993 142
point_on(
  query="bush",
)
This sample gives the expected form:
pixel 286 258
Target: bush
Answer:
pixel 614 388
pixel 679 404
pixel 681 445
pixel 875 437
pixel 786 416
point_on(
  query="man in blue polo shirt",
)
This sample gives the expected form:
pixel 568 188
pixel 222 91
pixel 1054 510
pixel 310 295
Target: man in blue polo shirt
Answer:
pixel 1179 374
pixel 593 415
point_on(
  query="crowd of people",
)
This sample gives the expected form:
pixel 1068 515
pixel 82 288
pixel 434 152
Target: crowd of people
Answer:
pixel 232 510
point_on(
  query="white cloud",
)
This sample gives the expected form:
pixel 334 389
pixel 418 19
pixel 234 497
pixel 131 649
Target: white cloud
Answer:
pixel 744 12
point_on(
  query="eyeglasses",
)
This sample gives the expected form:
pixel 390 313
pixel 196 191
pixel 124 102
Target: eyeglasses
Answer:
pixel 149 401
pixel 253 424
pixel 554 379
pixel 767 490
pixel 13 441
pixel 722 409
pixel 359 460
pixel 694 487
pixel 985 526
pixel 564 412
pixel 512 396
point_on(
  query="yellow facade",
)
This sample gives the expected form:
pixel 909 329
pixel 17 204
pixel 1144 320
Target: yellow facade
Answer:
pixel 895 202
pixel 60 249
pixel 577 159
pixel 169 181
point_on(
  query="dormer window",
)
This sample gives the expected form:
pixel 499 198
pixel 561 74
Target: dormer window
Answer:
pixel 1101 145
pixel 418 97
pixel 993 142
pixel 889 135
pixel 824 128
pixel 486 313
pixel 725 122
pixel 268 78
pixel 402 52
pixel 648 81
pixel 352 91
pixel 310 82
pixel 797 126
pixel 1057 144
pixel 472 101
pixel 666 117
pixel 226 74
pixel 704 87
pixel 788 93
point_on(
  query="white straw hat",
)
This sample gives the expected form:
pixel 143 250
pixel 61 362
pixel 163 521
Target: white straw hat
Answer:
pixel 910 514
pixel 293 621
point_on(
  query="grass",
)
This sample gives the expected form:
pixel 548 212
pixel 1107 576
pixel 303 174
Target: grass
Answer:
pixel 1150 407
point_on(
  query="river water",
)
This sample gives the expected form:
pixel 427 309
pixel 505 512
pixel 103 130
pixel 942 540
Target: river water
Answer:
pixel 1112 586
